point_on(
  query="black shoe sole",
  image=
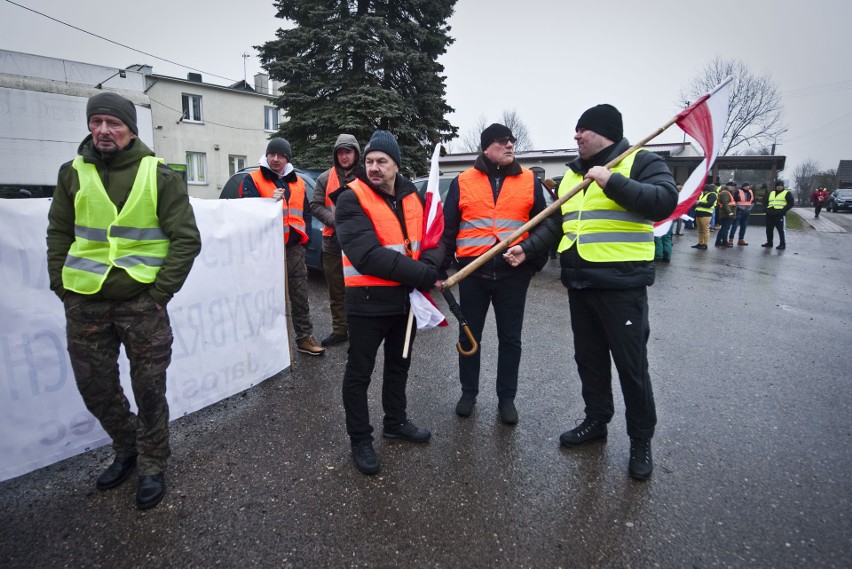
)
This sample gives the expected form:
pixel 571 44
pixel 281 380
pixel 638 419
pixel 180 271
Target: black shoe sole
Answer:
pixel 404 438
pixel 636 476
pixel 150 504
pixel 599 438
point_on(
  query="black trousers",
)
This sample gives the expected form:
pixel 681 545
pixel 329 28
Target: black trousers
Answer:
pixel 508 295
pixel 774 222
pixel 614 323
pixel 366 334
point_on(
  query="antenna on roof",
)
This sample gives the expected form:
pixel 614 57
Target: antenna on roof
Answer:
pixel 245 77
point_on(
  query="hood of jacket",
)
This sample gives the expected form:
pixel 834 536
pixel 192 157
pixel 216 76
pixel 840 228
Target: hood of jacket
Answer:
pixel 288 174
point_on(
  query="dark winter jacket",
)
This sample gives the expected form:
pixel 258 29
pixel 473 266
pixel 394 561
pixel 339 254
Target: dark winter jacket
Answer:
pixel 249 190
pixel 361 245
pixel 650 191
pixel 118 173
pixel 496 268
pixel 318 207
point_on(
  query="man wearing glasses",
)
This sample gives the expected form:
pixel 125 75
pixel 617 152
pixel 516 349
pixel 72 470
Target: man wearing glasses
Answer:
pixel 484 205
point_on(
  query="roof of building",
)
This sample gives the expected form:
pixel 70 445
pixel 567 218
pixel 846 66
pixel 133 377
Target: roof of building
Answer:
pixel 844 174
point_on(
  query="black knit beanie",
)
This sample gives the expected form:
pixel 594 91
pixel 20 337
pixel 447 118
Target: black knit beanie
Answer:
pixel 114 105
pixel 493 132
pixel 603 119
pixel 280 146
pixel 384 141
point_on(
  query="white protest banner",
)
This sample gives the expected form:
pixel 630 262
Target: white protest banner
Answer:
pixel 229 324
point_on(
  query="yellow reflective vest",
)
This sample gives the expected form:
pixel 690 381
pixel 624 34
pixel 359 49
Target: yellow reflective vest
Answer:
pixel 777 200
pixel 105 238
pixel 703 203
pixel 602 230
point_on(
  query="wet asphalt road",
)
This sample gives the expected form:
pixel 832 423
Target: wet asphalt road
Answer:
pixel 751 361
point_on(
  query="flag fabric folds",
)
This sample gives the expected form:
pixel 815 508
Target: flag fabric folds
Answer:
pixel 704 121
pixel 425 311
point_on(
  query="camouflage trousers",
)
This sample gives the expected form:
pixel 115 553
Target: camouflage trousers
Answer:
pixel 96 329
pixel 297 286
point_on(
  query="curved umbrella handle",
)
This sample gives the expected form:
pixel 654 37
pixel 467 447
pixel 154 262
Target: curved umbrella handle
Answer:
pixel 474 346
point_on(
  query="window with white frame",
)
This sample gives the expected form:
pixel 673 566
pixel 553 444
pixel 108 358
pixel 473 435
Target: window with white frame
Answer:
pixel 191 107
pixel 235 164
pixel 270 119
pixel 196 168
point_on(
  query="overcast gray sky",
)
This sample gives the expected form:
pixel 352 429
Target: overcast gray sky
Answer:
pixel 548 60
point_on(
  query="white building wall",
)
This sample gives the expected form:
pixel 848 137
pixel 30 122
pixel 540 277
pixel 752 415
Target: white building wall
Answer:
pixel 232 125
pixel 43 113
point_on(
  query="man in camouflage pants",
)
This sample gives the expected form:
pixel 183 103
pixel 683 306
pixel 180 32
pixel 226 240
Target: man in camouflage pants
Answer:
pixel 121 241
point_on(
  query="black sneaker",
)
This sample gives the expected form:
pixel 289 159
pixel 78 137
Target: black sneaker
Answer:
pixel 365 457
pixel 767 245
pixel 781 247
pixel 589 430
pixel 334 339
pixel 408 431
pixel 116 473
pixel 508 413
pixel 464 408
pixel 641 463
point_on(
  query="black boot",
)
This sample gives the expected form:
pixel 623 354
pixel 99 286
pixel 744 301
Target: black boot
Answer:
pixel 588 431
pixel 116 473
pixel 365 457
pixel 150 491
pixel 641 463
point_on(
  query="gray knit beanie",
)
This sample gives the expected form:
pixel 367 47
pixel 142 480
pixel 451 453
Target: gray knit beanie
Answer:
pixel 114 105
pixel 384 141
pixel 280 146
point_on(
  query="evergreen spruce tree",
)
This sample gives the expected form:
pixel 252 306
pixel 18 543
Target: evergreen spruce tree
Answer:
pixel 359 65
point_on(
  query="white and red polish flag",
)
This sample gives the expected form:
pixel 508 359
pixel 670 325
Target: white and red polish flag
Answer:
pixel 425 311
pixel 705 121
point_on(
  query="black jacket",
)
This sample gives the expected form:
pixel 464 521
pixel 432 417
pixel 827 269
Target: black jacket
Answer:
pixel 496 268
pixel 361 245
pixel 650 191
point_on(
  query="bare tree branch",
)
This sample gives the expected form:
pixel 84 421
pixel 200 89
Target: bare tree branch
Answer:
pixel 470 140
pixel 756 112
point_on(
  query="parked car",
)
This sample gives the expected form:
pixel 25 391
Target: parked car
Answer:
pixel 313 252
pixel 840 199
pixel 444 182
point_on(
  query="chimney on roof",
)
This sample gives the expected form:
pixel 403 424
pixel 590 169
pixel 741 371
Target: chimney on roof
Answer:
pixel 196 77
pixel 261 83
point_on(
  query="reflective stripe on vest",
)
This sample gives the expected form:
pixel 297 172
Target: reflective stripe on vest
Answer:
pixel 331 185
pixel 703 203
pixel 482 222
pixel 745 198
pixel 293 216
pixel 388 230
pixel 603 230
pixel 103 237
pixel 777 200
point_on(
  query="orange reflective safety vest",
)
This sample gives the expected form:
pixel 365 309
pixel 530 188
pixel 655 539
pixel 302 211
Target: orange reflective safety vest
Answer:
pixel 331 185
pixel 745 198
pixel 294 217
pixel 482 223
pixel 391 234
